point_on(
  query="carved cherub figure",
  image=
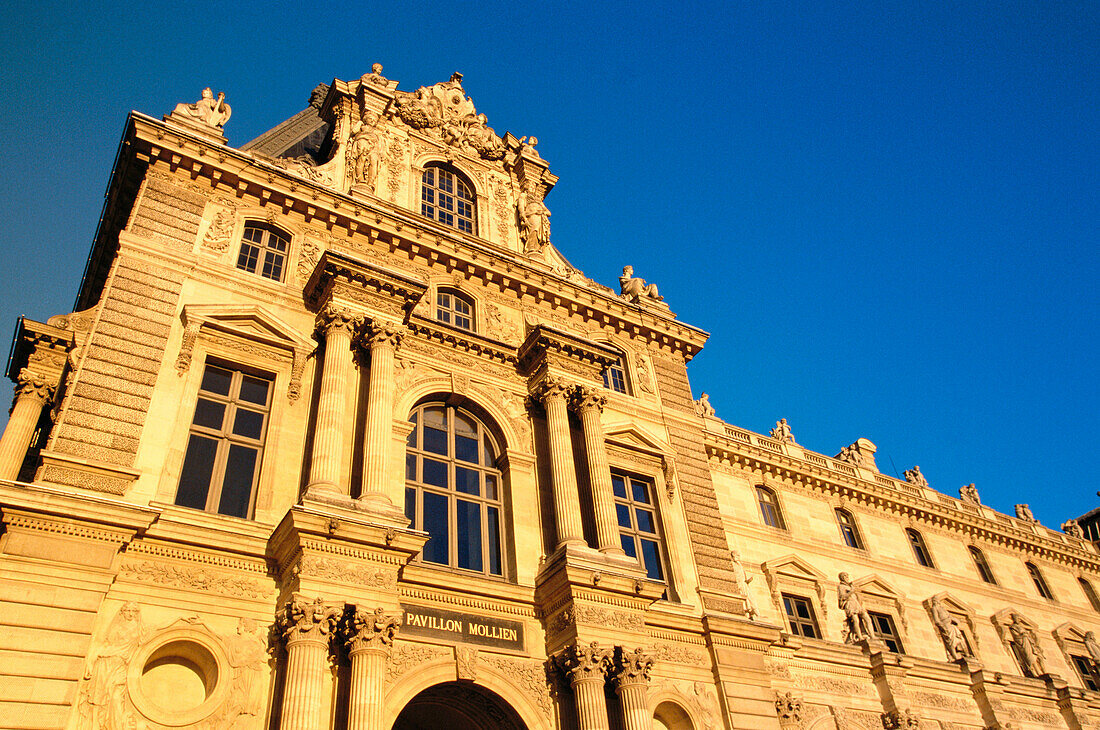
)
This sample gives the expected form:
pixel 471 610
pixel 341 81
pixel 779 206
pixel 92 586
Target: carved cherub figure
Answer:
pixel 913 476
pixel 856 619
pixel 634 288
pixel 782 431
pixel 969 493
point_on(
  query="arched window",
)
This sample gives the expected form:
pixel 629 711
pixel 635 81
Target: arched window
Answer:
pixel 614 377
pixel 920 550
pixel 848 529
pixel 453 489
pixel 769 508
pixel 982 565
pixel 446 197
pixel 263 250
pixel 1090 593
pixel 1039 581
pixel 454 308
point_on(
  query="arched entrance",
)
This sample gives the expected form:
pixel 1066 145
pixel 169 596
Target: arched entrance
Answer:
pixel 458 706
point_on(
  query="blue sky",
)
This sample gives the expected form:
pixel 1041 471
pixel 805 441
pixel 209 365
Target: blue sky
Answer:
pixel 886 214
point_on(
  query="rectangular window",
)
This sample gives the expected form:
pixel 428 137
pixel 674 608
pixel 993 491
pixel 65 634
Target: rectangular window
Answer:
pixel 225 444
pixel 886 631
pixel 1090 674
pixel 638 531
pixel 800 616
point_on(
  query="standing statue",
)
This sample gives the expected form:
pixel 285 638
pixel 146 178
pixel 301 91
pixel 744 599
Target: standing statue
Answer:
pixel 364 155
pixel 207 110
pixel 1073 529
pixel 969 493
pixel 703 406
pixel 247 654
pixel 103 704
pixel 1026 647
pixel 913 476
pixel 742 580
pixel 1092 647
pixel 634 288
pixel 1023 512
pixel 782 431
pixel 857 622
pixel 950 631
pixel 534 221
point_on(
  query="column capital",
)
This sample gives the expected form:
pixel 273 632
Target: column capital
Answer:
pixel 632 667
pixel 333 317
pixel 580 662
pixel 370 630
pixel 586 398
pixel 34 385
pixel 378 333
pixel 303 620
pixel 549 388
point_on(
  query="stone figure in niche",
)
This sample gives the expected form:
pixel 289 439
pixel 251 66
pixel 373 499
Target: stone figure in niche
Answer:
pixel 1073 529
pixel 103 703
pixel 703 406
pixel 247 654
pixel 534 221
pixel 952 634
pixel 742 579
pixel 1026 647
pixel 207 110
pixel 365 147
pixel 1092 647
pixel 1023 512
pixel 969 493
pixel 782 431
pixel 857 622
pixel 913 476
pixel 634 288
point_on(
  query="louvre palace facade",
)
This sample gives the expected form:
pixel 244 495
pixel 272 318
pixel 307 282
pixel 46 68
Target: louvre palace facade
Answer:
pixel 336 437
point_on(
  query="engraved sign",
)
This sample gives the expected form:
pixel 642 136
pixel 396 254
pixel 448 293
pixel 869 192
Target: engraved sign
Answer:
pixel 467 628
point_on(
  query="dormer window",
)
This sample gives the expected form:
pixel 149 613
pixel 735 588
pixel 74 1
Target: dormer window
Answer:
pixel 454 309
pixel 263 250
pixel 446 197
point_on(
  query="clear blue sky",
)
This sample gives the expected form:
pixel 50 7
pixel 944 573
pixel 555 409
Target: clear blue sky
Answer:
pixel 886 214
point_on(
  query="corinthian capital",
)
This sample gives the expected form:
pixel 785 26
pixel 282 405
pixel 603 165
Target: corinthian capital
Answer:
pixel 632 667
pixel 580 662
pixel 300 619
pixel 552 388
pixel 32 384
pixel 371 630
pixel 587 398
pixel 383 334
pixel 332 317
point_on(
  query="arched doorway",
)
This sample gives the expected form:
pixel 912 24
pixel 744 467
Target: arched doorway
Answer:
pixel 458 706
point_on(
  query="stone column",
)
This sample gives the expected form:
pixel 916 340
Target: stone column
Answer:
pixel 589 403
pixel 631 683
pixel 381 339
pixel 337 325
pixel 306 628
pixel 563 473
pixel 586 668
pixel 31 393
pixel 369 638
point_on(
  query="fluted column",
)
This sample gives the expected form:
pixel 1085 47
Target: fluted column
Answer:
pixel 586 669
pixel 381 339
pixel 337 326
pixel 31 393
pixel 631 684
pixel 306 628
pixel 589 403
pixel 369 638
pixel 563 472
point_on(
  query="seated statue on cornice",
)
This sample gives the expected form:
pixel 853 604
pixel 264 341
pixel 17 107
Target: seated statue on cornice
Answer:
pixel 634 288
pixel 207 110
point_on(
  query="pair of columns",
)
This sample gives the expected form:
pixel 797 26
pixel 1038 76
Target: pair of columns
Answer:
pixel 558 397
pixel 32 391
pixel 309 630
pixel 589 667
pixel 381 339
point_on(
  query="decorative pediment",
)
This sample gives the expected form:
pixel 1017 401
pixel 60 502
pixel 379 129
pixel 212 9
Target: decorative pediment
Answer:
pixel 791 571
pixel 964 616
pixel 445 111
pixel 873 585
pixel 635 439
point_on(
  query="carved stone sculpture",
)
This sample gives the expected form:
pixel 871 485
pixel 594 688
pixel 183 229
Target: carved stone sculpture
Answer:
pixel 742 579
pixel 913 476
pixel 969 493
pixel 1026 647
pixel 580 661
pixel 1073 529
pixel 789 709
pixel 1092 646
pixel 632 667
pixel 375 76
pixel 364 151
pixel 900 720
pixel 952 634
pixel 534 221
pixel 207 111
pixel 247 654
pixel 782 431
pixel 857 622
pixel 634 288
pixel 445 111
pixel 1023 512
pixel 703 406
pixel 861 453
pixel 103 702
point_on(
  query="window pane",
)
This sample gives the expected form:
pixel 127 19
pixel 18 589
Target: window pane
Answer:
pixel 488 454
pixel 493 516
pixel 216 380
pixel 435 524
pixel 410 506
pixel 435 473
pixel 249 424
pixel 410 467
pixel 198 465
pixel 491 486
pixel 465 448
pixel 618 485
pixel 628 545
pixel 641 494
pixel 412 434
pixel 435 440
pixel 464 425
pixel 469 535
pixel 645 521
pixel 254 390
pixel 467 481
pixel 624 515
pixel 237 487
pixel 209 414
pixel 651 559
pixel 436 417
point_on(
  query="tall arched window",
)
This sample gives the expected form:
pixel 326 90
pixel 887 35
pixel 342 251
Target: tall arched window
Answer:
pixel 982 565
pixel 454 308
pixel 769 508
pixel 1039 581
pixel 848 529
pixel 1090 593
pixel 445 196
pixel 453 489
pixel 920 550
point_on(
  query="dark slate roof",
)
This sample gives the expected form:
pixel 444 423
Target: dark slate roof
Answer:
pixel 302 134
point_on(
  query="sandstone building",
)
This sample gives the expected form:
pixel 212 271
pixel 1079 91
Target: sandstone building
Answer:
pixel 337 438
